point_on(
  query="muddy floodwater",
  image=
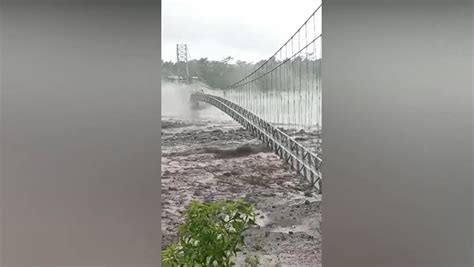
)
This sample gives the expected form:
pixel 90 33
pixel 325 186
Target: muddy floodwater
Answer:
pixel 208 157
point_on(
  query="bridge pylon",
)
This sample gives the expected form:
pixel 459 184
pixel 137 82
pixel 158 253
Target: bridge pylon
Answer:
pixel 182 57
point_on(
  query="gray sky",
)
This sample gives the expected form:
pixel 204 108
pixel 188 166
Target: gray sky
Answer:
pixel 248 30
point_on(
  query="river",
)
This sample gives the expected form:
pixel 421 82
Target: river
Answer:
pixel 207 156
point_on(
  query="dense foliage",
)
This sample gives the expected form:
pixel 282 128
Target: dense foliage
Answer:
pixel 211 234
pixel 216 74
pixel 221 74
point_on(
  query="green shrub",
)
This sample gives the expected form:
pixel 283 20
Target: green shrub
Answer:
pixel 211 234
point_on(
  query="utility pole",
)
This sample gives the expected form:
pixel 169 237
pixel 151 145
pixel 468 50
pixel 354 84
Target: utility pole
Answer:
pixel 182 62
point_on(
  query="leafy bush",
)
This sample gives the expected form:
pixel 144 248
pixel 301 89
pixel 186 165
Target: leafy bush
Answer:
pixel 211 234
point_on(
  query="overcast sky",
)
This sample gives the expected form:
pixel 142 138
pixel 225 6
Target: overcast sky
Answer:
pixel 248 30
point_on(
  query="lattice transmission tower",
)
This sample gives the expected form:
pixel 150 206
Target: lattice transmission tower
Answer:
pixel 182 57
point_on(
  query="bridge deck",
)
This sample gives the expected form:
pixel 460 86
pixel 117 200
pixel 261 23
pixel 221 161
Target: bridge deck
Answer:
pixel 306 163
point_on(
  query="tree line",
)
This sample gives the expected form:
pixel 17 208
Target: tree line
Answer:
pixel 216 74
pixel 223 73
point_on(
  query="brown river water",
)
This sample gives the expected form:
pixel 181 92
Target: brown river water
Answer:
pixel 208 156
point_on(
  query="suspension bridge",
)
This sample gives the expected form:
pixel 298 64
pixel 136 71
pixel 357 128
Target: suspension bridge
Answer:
pixel 281 94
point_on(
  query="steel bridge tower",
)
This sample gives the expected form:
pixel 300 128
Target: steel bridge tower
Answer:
pixel 182 56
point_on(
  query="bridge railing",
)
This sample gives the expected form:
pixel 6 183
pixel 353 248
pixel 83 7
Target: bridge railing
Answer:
pixel 301 159
pixel 281 136
pixel 289 82
pixel 284 91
